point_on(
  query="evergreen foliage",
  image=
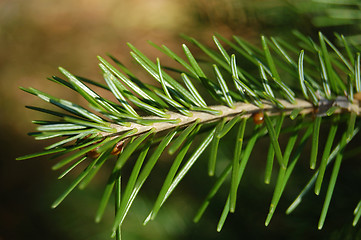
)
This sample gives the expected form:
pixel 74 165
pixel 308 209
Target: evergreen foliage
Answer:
pixel 194 106
pixel 334 14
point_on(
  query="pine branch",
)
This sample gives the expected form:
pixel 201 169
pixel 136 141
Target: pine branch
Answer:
pixel 321 83
pixel 241 109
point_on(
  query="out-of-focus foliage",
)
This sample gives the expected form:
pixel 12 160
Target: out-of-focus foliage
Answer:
pixel 342 16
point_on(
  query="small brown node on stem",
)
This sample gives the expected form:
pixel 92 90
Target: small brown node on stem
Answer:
pixel 258 117
pixel 93 153
pixel 118 148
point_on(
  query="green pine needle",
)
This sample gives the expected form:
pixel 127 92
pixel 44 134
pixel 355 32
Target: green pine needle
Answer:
pixel 325 156
pixel 315 140
pixel 214 148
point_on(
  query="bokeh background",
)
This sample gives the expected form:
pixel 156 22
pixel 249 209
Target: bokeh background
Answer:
pixel 37 36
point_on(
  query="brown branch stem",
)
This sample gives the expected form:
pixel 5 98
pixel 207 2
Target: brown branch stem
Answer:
pixel 244 109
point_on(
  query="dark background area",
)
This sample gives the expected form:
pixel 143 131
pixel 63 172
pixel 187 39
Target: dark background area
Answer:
pixel 38 36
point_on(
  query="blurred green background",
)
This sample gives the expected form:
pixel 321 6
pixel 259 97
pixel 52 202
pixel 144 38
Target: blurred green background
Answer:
pixel 37 36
